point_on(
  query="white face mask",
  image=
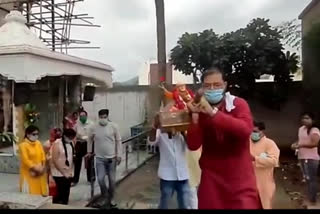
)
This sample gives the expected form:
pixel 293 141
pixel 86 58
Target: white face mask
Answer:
pixel 33 138
pixel 103 121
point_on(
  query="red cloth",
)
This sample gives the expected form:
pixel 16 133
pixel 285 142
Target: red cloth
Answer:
pixel 70 123
pixel 52 189
pixel 55 134
pixel 227 180
pixel 180 104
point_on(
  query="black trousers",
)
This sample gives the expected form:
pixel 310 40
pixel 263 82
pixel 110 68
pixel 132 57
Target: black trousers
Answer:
pixel 63 190
pixel 81 151
pixel 90 170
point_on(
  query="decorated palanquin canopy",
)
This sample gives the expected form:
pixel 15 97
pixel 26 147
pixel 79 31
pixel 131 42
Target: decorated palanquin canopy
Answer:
pixel 24 58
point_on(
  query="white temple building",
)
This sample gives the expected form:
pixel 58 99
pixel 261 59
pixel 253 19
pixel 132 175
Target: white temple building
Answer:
pixel 32 73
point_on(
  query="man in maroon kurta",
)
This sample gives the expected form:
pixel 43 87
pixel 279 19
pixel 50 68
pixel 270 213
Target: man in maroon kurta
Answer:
pixel 222 124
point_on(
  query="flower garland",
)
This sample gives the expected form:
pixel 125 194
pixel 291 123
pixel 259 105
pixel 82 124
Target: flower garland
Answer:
pixel 31 115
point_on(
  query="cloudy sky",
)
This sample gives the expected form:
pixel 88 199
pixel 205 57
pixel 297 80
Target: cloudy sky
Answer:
pixel 128 34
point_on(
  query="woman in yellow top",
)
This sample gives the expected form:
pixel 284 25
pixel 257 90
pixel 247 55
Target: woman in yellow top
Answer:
pixel 33 178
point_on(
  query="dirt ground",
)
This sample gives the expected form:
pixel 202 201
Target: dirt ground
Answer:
pixel 141 189
pixel 289 176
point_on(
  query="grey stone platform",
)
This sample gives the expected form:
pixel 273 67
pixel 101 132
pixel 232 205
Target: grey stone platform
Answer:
pixel 16 200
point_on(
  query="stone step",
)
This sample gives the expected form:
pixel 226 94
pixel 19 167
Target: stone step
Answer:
pixel 17 200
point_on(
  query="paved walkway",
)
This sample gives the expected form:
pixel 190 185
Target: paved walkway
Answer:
pixel 79 194
pixel 141 190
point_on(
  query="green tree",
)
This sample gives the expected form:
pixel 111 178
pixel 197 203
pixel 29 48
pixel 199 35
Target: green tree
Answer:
pixel 287 66
pixel 245 54
pixel 256 52
pixel 194 52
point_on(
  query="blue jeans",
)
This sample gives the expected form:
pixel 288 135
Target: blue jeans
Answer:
pixel 167 189
pixel 106 167
pixel 310 172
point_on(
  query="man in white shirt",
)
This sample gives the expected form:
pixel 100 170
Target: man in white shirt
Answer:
pixel 173 170
pixel 82 128
pixel 107 149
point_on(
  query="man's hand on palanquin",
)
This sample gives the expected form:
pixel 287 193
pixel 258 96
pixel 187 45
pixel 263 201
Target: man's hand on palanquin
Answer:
pixel 205 107
pixel 193 107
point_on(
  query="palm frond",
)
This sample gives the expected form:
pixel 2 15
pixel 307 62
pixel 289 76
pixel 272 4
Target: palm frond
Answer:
pixel 7 137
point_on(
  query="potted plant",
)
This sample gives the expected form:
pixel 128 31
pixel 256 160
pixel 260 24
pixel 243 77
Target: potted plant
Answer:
pixel 31 115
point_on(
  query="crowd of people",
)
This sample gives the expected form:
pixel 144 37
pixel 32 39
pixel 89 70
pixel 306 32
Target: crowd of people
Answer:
pixel 223 161
pixel 54 167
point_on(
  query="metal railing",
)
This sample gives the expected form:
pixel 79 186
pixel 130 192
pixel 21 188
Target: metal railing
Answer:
pixel 139 153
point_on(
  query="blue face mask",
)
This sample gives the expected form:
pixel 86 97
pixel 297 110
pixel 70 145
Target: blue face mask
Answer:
pixel 214 96
pixel 255 137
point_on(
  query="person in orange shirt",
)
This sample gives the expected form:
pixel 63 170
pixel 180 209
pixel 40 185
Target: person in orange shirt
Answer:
pixel 33 176
pixel 265 155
